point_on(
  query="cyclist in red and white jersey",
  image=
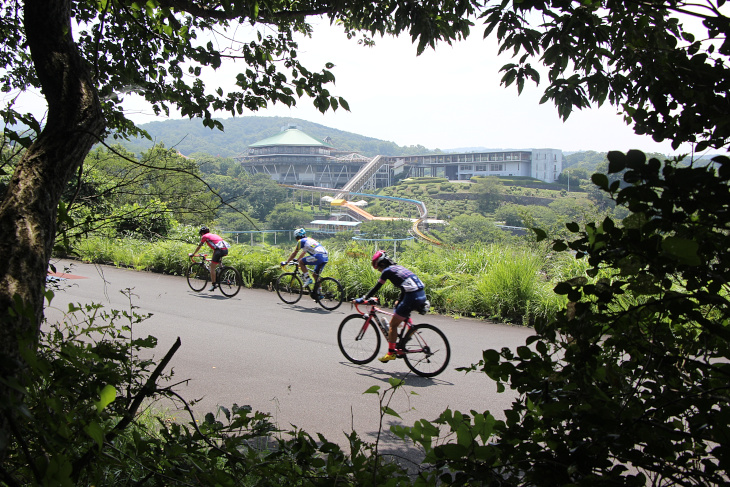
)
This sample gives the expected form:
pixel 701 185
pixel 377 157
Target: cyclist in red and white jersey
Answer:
pixel 220 249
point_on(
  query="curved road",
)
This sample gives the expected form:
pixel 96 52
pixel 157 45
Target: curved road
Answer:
pixel 283 359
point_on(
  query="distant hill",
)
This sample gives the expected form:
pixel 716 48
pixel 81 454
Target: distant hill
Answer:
pixel 190 136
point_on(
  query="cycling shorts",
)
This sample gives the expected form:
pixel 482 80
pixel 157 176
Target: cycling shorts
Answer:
pixel 218 254
pixel 317 260
pixel 414 301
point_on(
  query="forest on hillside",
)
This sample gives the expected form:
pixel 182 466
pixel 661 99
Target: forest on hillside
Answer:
pixel 189 136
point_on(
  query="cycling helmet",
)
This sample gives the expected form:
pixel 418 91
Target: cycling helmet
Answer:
pixel 203 230
pixel 379 257
pixel 300 233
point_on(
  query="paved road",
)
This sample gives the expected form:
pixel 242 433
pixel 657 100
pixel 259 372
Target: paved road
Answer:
pixel 284 359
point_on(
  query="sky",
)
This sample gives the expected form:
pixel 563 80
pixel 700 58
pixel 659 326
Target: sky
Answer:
pixel 450 98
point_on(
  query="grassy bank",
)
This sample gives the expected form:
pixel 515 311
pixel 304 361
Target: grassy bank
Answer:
pixel 501 282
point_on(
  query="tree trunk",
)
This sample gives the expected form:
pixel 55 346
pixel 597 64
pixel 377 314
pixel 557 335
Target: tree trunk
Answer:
pixel 28 209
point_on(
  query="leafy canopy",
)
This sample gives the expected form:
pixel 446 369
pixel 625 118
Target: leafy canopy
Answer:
pixel 159 49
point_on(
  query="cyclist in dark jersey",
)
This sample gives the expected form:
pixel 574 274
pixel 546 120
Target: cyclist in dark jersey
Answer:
pixel 412 296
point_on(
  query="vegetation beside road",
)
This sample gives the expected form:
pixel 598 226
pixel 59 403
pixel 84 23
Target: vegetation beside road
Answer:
pixel 503 282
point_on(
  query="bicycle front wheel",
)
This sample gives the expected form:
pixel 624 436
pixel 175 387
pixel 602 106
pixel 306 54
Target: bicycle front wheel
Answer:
pixel 330 293
pixel 358 339
pixel 198 276
pixel 229 281
pixel 289 287
pixel 427 350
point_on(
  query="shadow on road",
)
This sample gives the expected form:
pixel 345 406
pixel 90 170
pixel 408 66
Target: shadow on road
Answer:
pixel 411 379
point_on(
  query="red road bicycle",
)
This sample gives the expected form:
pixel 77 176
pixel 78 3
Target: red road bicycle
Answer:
pixel 423 347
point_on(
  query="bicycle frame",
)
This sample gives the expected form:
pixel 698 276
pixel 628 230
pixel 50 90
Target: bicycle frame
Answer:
pixel 373 317
pixel 206 262
pixel 298 272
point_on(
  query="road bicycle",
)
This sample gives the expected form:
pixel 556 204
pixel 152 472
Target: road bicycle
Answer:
pixel 328 292
pixel 423 347
pixel 198 274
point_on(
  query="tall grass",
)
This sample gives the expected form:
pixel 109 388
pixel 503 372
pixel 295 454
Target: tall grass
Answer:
pixel 504 282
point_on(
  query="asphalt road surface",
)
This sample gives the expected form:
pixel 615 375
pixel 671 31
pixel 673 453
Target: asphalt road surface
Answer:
pixel 255 350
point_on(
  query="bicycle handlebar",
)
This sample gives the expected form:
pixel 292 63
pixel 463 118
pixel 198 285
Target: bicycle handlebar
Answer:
pixel 370 302
pixel 192 256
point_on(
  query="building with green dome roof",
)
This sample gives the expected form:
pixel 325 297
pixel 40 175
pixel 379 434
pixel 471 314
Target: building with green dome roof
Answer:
pixel 293 157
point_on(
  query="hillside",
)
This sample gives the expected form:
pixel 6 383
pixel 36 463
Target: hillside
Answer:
pixel 190 136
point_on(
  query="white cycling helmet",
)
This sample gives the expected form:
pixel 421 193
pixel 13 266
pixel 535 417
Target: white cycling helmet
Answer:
pixel 300 233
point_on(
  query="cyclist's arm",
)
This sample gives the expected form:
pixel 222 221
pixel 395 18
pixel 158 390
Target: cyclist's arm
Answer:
pixel 293 254
pixel 374 290
pixel 197 248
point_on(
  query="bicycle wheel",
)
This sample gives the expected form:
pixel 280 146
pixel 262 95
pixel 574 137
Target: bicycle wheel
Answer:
pixel 229 281
pixel 330 293
pixel 358 342
pixel 198 276
pixel 427 350
pixel 289 287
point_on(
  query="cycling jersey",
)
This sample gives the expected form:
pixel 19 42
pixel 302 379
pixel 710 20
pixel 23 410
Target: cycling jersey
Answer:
pixel 412 293
pixel 402 278
pixel 311 246
pixel 214 241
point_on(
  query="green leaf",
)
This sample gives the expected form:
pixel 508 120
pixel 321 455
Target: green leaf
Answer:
pixel 106 397
pixel 387 410
pixel 684 250
pixel 372 390
pixel 395 382
pixel 95 432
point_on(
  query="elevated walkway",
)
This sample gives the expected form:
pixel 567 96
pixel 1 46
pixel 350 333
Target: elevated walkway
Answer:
pixel 361 177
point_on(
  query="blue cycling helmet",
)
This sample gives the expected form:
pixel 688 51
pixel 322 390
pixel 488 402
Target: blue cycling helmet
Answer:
pixel 300 233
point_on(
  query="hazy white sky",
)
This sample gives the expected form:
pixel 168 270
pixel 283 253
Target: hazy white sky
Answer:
pixel 446 99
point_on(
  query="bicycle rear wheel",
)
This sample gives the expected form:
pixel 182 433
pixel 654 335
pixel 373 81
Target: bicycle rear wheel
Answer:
pixel 330 293
pixel 229 281
pixel 427 350
pixel 198 276
pixel 289 288
pixel 359 342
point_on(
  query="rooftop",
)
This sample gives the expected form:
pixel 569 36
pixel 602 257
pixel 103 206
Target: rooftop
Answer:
pixel 291 137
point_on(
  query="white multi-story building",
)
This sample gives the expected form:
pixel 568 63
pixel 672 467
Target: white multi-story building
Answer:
pixel 293 157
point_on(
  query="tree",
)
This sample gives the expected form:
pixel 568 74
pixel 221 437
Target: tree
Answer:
pixel 157 49
pixel 489 193
pixel 670 82
pixel 629 384
pixel 263 194
pixel 120 191
pixel 473 229
pixel 286 217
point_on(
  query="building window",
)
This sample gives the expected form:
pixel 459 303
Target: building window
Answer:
pixel 481 167
pixel 466 167
pixel 496 167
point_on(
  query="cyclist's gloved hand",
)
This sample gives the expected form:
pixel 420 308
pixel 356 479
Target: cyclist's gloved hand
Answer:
pixel 283 263
pixel 359 300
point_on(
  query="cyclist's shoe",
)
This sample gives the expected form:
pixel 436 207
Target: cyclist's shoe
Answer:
pixel 308 281
pixel 212 287
pixel 388 357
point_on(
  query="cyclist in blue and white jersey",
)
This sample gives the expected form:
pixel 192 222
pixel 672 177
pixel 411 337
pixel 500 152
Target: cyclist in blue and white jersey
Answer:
pixel 318 256
pixel 412 296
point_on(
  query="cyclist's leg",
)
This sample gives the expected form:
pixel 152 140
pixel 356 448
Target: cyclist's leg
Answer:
pixel 304 262
pixel 217 258
pixel 319 267
pixel 411 301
